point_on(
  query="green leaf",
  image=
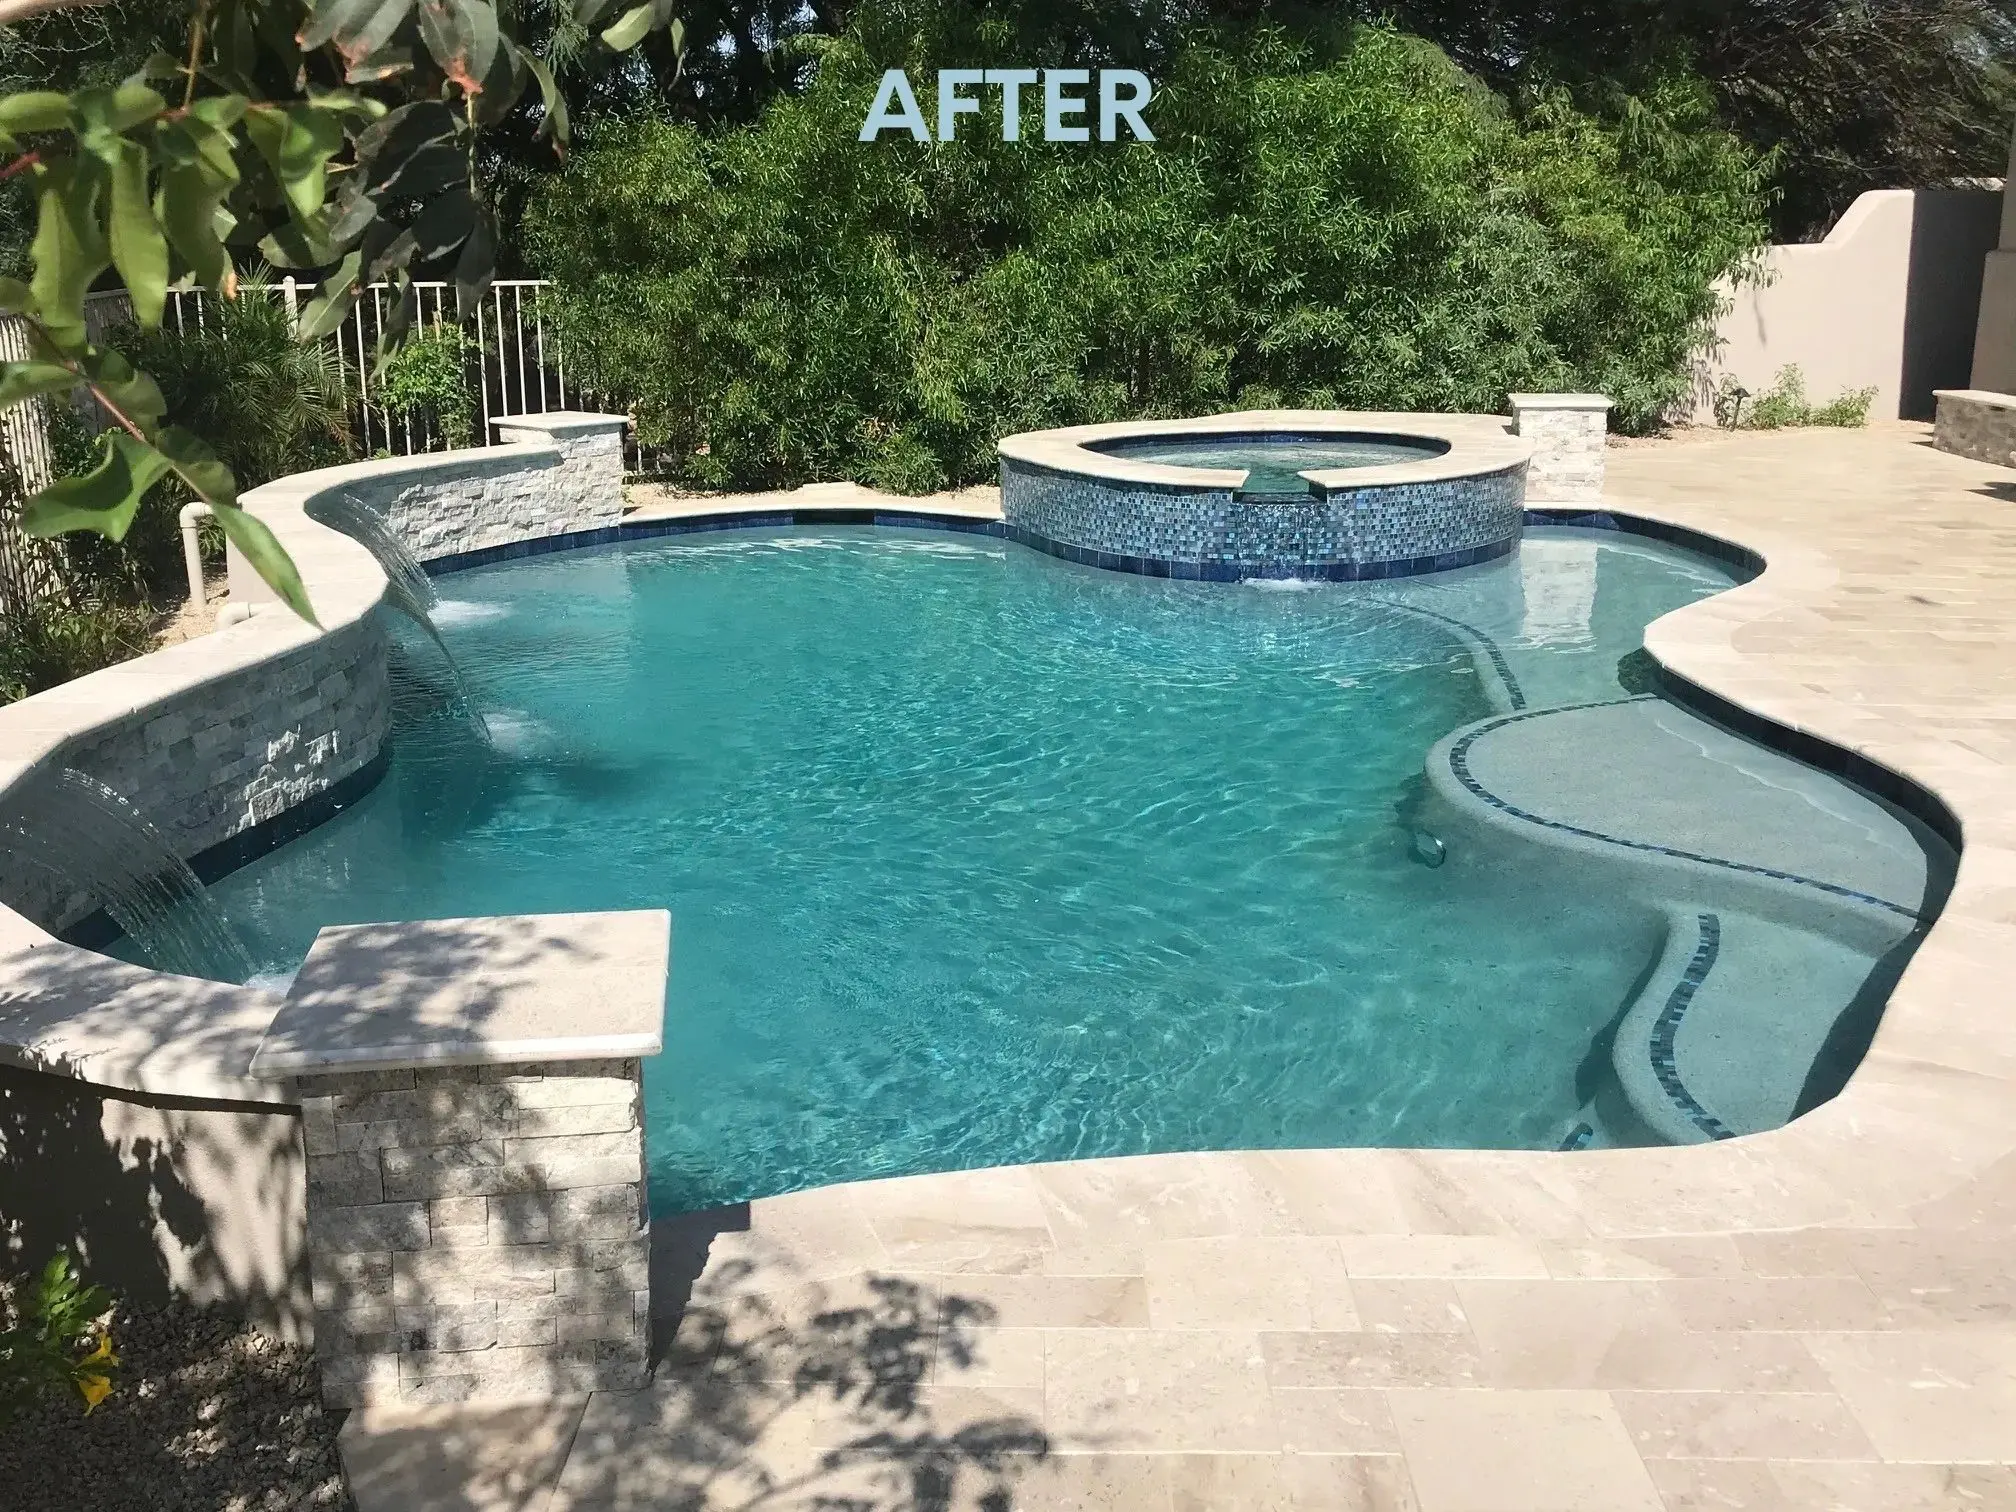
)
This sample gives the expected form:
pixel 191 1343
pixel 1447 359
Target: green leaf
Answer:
pixel 139 250
pixel 27 380
pixel 69 249
pixel 15 296
pixel 445 222
pixel 191 457
pixel 99 111
pixel 299 244
pixel 104 499
pixel 297 144
pixel 554 122
pixel 588 12
pixel 268 558
pixel 135 395
pixel 462 36
pixel 222 111
pixel 35 110
pixel 357 27
pixel 474 269
pixel 339 291
pixel 189 205
pixel 133 103
pixel 631 29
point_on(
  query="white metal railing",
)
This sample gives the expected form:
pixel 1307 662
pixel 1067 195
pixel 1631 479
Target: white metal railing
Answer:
pixel 514 367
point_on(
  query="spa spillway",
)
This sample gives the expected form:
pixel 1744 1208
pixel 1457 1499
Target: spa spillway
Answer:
pixel 1270 493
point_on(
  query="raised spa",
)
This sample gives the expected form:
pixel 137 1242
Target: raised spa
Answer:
pixel 1270 494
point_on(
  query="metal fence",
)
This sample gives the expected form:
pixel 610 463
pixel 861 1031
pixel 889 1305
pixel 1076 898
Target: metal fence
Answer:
pixel 513 365
pixel 514 362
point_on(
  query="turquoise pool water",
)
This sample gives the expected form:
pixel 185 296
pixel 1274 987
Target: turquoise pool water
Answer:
pixel 975 856
pixel 1273 464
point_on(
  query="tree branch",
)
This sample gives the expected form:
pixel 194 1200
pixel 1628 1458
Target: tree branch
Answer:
pixel 12 11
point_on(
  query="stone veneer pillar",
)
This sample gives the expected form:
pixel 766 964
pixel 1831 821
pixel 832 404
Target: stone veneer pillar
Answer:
pixel 1567 432
pixel 477 1226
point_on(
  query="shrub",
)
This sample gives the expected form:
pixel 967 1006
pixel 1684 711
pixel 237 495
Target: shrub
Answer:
pixel 427 380
pixel 1342 223
pixel 56 1340
pixel 51 642
pixel 1785 404
pixel 269 404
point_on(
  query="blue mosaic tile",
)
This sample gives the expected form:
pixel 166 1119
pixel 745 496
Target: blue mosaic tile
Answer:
pixel 1378 531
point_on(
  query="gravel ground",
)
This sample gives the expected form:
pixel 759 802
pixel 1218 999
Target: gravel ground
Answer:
pixel 206 1417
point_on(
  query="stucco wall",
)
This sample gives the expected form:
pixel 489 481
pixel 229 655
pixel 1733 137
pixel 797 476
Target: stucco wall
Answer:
pixel 1888 301
pixel 158 1197
pixel 1995 330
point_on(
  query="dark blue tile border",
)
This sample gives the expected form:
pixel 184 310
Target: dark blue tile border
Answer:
pixel 646 530
pixel 1230 572
pixel 1459 765
pixel 1666 1029
pixel 1208 572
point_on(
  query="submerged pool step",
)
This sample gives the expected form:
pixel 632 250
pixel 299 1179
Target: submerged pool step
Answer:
pixel 1743 1024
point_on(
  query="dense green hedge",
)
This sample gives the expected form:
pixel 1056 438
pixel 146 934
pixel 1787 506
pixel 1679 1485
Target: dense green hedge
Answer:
pixel 1355 225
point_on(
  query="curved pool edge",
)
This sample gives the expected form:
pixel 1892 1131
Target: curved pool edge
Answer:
pixel 1919 1118
pixel 1927 1113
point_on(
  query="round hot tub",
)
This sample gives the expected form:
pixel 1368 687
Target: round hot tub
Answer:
pixel 1270 493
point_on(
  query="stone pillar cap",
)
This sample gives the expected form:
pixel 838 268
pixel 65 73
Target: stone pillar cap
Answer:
pixel 1559 401
pixel 560 422
pixel 474 992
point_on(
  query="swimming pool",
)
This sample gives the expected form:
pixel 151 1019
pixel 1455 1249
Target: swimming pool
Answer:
pixel 976 856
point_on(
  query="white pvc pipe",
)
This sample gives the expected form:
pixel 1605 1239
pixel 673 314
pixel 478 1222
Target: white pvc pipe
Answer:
pixel 234 613
pixel 192 555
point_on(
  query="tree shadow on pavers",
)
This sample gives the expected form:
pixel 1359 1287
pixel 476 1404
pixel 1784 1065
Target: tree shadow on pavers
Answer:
pixel 779 1386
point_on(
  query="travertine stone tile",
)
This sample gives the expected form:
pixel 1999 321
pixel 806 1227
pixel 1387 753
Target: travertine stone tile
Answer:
pixel 1334 1360
pixel 1443 1256
pixel 1271 1282
pixel 1526 1451
pixel 1794 1305
pixel 1742 1425
pixel 1409 1306
pixel 1619 1334
pixel 1335 1422
pixel 1820 1486
pixel 1948 1395
pixel 1143 1389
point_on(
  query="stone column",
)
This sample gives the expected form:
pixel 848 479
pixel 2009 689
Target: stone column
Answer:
pixel 589 491
pixel 476 1184
pixel 1567 432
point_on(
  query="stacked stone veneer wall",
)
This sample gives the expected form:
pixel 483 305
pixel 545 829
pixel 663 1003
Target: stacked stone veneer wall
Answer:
pixel 500 500
pixel 216 759
pixel 1569 434
pixel 477 1231
pixel 1978 424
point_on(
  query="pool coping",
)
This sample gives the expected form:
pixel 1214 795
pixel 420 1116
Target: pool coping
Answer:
pixel 1477 445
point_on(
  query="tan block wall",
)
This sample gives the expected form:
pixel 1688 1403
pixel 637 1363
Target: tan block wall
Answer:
pixel 158 1197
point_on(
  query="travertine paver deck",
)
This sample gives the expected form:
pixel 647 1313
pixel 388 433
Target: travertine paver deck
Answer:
pixel 1821 1317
